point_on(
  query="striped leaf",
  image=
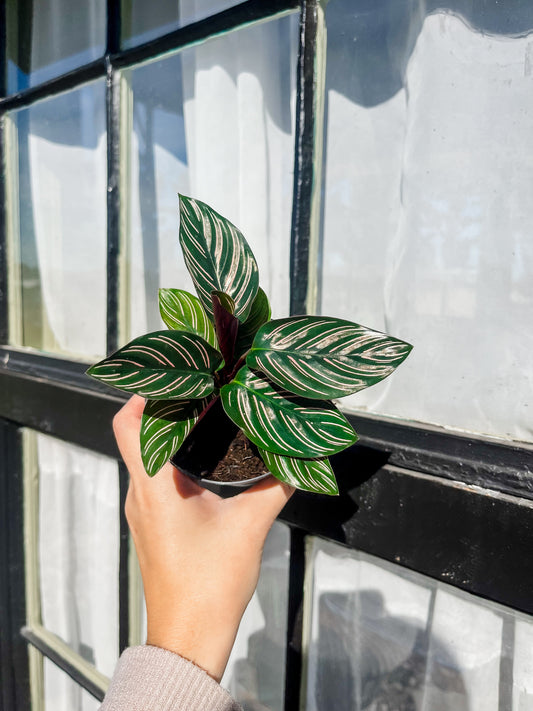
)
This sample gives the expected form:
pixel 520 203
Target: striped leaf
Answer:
pixel 308 474
pixel 322 357
pixel 164 427
pixel 182 311
pixel 217 256
pixel 259 314
pixel 163 365
pixel 219 298
pixel 282 423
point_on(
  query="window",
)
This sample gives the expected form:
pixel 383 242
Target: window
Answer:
pixel 71 498
pixel 45 40
pixel 425 173
pixel 380 634
pixel 376 157
pixel 56 153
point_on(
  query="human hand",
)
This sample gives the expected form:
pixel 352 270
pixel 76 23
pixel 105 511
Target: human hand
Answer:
pixel 199 554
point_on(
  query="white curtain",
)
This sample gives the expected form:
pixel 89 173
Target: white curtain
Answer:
pixel 64 37
pixel 79 544
pixel 67 174
pixel 229 143
pixel 428 219
pixel 240 140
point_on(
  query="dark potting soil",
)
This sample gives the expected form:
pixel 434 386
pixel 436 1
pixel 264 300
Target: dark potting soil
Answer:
pixel 240 463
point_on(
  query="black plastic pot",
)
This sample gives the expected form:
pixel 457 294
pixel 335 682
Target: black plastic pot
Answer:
pixel 206 445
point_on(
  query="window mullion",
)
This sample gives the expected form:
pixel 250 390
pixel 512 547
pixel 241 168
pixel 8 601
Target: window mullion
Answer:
pixel 113 26
pixel 308 159
pixel 124 578
pixel 4 325
pixel 113 205
pixel 31 558
pixel 3 48
pixel 55 649
pixel 293 664
pixel 14 684
pixel 229 20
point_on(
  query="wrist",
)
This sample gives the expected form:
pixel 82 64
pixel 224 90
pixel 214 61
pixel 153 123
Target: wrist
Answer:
pixel 196 639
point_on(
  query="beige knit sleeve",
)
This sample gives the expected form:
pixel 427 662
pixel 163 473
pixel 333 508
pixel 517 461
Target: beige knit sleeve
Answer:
pixel 152 679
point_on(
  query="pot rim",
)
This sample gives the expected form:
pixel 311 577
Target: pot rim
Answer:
pixel 241 484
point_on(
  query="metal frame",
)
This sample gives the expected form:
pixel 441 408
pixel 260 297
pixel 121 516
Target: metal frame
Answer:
pixel 14 669
pixel 4 326
pixel 294 657
pixel 475 539
pixel 306 165
pixel 71 663
pixel 448 505
pixel 124 573
pixel 113 205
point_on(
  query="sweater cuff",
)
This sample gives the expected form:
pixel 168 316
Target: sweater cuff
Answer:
pixel 152 679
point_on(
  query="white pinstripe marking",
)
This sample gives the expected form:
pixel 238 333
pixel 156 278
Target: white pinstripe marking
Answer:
pixel 152 352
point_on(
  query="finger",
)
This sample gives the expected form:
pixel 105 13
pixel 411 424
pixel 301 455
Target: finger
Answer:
pixel 127 427
pixel 134 406
pixel 129 417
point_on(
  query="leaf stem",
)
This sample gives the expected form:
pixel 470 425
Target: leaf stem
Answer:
pixel 237 367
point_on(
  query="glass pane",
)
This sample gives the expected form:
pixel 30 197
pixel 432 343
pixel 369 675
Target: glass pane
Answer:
pixel 215 122
pixel 255 675
pixel 79 544
pixel 427 210
pixel 382 637
pixel 142 21
pixel 57 208
pixel 61 693
pixel 48 38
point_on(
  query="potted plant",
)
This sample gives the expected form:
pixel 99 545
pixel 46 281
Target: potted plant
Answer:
pixel 224 367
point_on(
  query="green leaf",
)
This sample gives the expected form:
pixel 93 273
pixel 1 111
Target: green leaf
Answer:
pixel 259 314
pixel 283 423
pixel 163 365
pixel 318 356
pixel 164 427
pixel 182 311
pixel 217 256
pixel 224 300
pixel 308 474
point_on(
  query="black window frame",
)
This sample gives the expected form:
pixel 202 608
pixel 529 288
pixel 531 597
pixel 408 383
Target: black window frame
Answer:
pixel 449 505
